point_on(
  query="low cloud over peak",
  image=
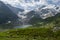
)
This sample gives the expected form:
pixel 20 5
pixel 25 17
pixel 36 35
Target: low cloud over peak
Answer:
pixel 31 4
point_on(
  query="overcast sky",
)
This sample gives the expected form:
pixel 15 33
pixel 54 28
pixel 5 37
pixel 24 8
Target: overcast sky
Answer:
pixel 31 4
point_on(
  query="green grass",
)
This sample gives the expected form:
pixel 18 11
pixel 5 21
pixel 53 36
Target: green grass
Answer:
pixel 30 34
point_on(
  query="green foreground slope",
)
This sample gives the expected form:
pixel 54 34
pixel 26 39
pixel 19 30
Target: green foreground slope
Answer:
pixel 30 34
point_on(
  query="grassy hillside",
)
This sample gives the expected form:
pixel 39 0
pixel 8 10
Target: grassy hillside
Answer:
pixel 30 34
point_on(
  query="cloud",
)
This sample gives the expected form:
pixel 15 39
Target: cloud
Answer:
pixel 49 6
pixel 26 4
pixel 29 4
pixel 11 2
pixel 55 1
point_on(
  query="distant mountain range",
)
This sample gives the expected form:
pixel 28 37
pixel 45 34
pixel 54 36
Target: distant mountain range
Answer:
pixel 17 16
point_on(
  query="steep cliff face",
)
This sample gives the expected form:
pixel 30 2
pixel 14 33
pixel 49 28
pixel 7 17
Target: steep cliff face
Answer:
pixel 6 14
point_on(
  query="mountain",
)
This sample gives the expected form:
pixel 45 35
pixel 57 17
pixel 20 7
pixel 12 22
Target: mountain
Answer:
pixel 40 14
pixel 6 15
pixel 44 17
pixel 19 11
pixel 43 11
pixel 53 21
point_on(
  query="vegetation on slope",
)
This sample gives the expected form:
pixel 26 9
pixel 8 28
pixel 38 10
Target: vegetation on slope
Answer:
pixel 30 34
